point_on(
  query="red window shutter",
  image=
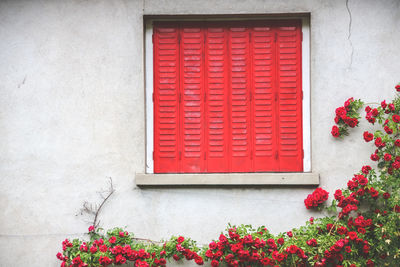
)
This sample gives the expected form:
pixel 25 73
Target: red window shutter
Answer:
pixel 227 97
pixel 240 118
pixel 290 97
pixel 192 114
pixel 217 93
pixel 166 94
pixel 264 93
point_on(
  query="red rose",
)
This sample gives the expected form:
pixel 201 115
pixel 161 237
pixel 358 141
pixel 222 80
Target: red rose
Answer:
pixel 104 260
pixel 366 169
pixel 368 136
pixel 335 131
pixel 374 112
pixel 369 118
pixel 388 130
pixel 91 228
pixel 347 103
pixel 112 239
pixel 341 112
pixel 351 184
pixel 379 143
pixel 361 230
pixel 77 260
pixel 83 247
pixel 342 230
pixel 383 104
pixel 93 249
pixel 397 208
pixel 248 239
pixel 391 107
pixel 397 88
pixel 386 195
pixel 362 180
pixel 290 234
pixel 120 259
pixel 223 238
pixel 337 119
pixel 397 142
pixel 198 260
pixel 281 241
pixel 278 256
pixel 396 165
pixel 212 245
pixel 352 122
pixel 312 242
pixel 374 194
pixel 180 248
pixel 60 256
pixel 387 157
pixel 180 239
pixel 352 235
pixel 176 257
pixel 215 263
pixel 368 109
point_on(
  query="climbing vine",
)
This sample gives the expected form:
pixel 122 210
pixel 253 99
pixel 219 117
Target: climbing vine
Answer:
pixel 364 230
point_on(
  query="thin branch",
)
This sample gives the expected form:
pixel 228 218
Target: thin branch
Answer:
pixel 110 192
pixel 147 240
pixel 94 209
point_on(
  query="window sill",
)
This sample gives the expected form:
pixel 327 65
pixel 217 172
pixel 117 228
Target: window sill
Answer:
pixel 228 179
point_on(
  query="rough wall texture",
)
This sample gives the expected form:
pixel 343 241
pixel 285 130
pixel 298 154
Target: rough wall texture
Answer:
pixel 72 114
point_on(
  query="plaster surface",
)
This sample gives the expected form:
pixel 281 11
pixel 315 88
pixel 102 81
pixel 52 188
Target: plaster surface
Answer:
pixel 72 114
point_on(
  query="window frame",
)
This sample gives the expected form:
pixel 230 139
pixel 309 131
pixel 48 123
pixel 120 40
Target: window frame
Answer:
pixel 148 73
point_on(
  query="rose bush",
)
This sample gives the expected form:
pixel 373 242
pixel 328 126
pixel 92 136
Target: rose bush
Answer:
pixel 364 230
pixel 346 116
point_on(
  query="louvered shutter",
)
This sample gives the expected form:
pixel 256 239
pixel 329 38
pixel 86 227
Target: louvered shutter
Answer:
pixel 227 97
pixel 166 94
pixel 217 93
pixel 239 101
pixel 192 98
pixel 264 124
pixel 290 97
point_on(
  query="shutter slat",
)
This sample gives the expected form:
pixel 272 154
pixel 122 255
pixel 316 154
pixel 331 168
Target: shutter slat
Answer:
pixel 166 108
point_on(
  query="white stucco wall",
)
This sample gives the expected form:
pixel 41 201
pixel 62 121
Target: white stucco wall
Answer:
pixel 72 114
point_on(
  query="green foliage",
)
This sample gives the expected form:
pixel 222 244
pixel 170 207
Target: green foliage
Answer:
pixel 364 229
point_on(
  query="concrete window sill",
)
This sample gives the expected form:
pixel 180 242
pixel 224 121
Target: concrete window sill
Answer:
pixel 228 179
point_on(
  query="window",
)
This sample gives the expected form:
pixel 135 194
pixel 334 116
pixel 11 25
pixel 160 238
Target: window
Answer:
pixel 227 97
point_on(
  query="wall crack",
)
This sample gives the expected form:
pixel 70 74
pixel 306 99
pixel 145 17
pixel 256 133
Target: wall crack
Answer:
pixel 349 34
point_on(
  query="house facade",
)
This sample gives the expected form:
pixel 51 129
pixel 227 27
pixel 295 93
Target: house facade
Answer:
pixel 203 113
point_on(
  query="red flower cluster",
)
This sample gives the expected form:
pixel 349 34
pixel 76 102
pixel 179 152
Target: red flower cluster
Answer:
pixel 114 251
pixel 346 116
pixel 236 250
pixel 187 253
pixel 315 199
